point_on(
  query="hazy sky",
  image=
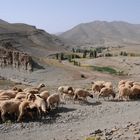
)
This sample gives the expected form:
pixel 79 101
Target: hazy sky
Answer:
pixel 60 15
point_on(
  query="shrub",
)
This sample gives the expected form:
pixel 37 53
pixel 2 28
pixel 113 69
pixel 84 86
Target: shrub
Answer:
pixel 93 138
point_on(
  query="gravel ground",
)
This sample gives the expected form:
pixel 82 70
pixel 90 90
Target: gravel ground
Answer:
pixel 75 121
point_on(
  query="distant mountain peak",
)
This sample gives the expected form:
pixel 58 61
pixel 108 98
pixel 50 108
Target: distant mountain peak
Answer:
pixel 101 32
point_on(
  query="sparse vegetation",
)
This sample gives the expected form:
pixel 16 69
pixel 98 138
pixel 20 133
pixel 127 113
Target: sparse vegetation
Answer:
pixel 107 70
pixel 93 138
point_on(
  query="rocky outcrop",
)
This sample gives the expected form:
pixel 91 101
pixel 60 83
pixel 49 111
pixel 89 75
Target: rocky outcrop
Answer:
pixel 15 59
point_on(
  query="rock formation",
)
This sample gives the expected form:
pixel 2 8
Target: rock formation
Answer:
pixel 15 59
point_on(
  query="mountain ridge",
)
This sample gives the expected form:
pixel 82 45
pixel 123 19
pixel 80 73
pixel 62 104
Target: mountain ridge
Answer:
pixel 102 32
pixel 28 38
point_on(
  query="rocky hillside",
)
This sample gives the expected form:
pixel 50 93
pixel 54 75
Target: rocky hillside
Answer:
pixel 29 39
pixel 103 33
pixel 15 59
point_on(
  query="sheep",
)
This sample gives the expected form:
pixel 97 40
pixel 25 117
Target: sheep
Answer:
pixel 66 91
pixel 97 86
pixel 124 92
pixel 44 94
pixel 106 92
pixel 21 96
pixel 129 83
pixel 122 82
pixel 34 90
pixel 53 100
pixel 24 109
pixel 81 94
pixel 14 89
pixel 10 107
pixel 68 95
pixel 2 98
pixel 108 85
pixel 136 83
pixel 41 105
pixel 9 93
pixel 135 91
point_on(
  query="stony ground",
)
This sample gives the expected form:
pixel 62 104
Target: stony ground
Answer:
pixel 78 121
pixel 105 119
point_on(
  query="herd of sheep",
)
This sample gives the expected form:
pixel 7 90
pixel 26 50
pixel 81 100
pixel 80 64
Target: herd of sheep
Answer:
pixel 33 103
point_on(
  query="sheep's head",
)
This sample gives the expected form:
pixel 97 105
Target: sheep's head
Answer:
pixel 71 92
pixel 30 97
pixel 91 96
pixel 42 85
pixel 15 88
pixel 113 94
pixel 19 90
pixel 95 88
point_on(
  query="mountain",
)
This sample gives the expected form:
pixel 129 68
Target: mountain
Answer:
pixel 103 33
pixel 29 39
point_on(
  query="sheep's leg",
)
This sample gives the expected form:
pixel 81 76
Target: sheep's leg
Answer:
pixel 39 113
pixel 98 96
pixel 3 116
pixel 57 104
pixel 64 98
pixel 31 115
pixel 108 97
pixel 85 99
pixel 20 117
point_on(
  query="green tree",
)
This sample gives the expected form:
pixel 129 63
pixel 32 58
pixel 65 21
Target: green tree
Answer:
pixel 57 56
pixel 73 50
pixel 84 53
pixel 62 56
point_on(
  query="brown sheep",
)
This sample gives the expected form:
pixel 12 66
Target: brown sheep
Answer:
pixel 106 92
pixel 81 94
pixel 97 86
pixel 24 109
pixel 10 107
pixel 135 91
pixel 124 92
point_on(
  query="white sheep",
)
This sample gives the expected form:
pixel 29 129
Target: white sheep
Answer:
pixel 108 85
pixel 45 94
pixel 34 90
pixel 41 105
pixel 53 100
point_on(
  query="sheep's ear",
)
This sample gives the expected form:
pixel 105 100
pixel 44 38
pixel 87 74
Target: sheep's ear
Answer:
pixel 38 95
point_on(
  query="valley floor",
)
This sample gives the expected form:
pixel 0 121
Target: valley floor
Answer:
pixel 75 121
